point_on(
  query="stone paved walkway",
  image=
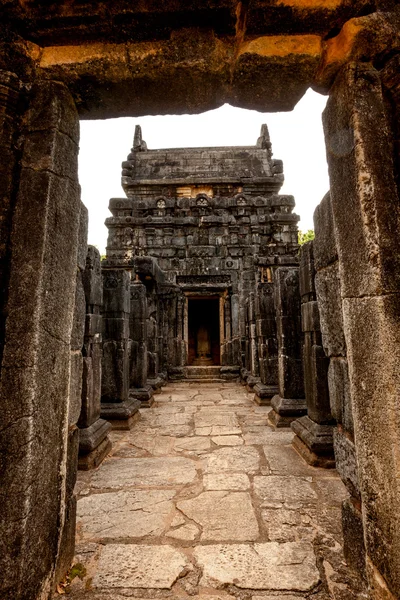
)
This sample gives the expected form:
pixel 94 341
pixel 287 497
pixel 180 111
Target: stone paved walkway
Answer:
pixel 203 499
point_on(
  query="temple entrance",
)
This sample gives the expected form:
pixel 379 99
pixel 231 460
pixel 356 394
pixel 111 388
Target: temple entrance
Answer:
pixel 203 331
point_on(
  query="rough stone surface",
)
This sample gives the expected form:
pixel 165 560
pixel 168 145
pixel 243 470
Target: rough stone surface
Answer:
pixel 125 514
pixel 138 566
pixel 231 460
pixel 222 515
pixel 247 525
pixel 151 472
pixel 269 566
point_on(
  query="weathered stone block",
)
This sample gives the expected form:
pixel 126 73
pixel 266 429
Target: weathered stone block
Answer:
pixel 82 237
pixel 365 203
pixel 115 371
pixel 339 393
pixel 115 329
pixel 93 326
pixel 310 316
pixel 353 537
pixel 92 279
pixel 75 386
pixel 327 283
pixel 325 251
pixel 78 324
pixel 373 336
pixel 307 270
pixel 116 295
pixel 346 461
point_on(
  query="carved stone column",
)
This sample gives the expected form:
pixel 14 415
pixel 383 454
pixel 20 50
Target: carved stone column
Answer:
pixel 116 406
pixel 267 345
pixel 94 443
pixel 290 403
pixel 314 435
pixel 138 386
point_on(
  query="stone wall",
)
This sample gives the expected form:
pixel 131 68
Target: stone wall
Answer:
pixel 39 402
pixel 362 154
pixel 314 431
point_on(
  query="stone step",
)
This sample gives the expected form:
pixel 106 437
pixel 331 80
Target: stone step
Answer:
pixel 208 372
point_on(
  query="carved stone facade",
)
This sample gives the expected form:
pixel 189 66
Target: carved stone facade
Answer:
pixel 204 234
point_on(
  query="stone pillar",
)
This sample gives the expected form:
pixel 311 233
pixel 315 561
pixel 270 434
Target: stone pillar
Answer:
pixel 253 377
pixel 366 214
pixel 313 438
pixel 154 327
pixel 180 338
pixel 328 290
pixel 236 341
pixel 290 403
pixel 116 406
pixel 138 387
pixel 39 441
pixel 9 121
pixel 267 345
pixel 94 443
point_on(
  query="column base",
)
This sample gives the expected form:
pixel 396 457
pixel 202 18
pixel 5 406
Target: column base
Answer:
pixel 94 444
pixel 264 393
pixel 144 394
pixel 314 442
pixel 122 415
pixel 156 383
pixel 286 410
pixel 244 375
pixel 251 382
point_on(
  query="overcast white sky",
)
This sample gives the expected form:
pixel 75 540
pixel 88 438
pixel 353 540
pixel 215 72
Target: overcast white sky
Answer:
pixel 296 138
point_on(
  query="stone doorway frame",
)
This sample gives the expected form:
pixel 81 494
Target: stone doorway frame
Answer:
pixel 199 295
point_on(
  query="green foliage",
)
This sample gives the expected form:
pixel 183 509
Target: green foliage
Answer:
pixel 103 257
pixel 305 236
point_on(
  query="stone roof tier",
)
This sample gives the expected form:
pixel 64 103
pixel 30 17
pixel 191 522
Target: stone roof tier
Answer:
pixel 212 165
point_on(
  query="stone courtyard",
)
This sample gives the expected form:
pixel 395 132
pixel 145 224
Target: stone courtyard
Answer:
pixel 204 498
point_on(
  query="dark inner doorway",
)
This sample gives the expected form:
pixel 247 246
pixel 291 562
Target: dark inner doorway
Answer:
pixel 204 343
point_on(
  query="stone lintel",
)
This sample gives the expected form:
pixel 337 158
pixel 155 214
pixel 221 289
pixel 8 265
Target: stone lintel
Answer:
pixel 135 73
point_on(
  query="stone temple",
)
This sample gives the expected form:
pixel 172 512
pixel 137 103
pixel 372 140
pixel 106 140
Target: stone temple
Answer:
pixel 206 237
pixel 215 289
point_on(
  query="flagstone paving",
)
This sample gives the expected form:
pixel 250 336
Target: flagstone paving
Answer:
pixel 203 499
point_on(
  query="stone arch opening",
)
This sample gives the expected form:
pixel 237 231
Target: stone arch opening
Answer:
pixel 42 83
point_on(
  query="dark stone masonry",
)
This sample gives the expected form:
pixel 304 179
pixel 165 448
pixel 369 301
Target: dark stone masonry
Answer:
pixel 208 242
pixel 203 276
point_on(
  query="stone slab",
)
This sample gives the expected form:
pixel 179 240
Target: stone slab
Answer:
pixel 187 533
pixel 138 566
pixel 125 515
pixel 192 445
pixel 233 460
pixel 227 440
pixel 150 472
pixel 265 435
pixel 226 481
pixel 268 566
pixel 275 491
pixel 222 515
pixel 285 525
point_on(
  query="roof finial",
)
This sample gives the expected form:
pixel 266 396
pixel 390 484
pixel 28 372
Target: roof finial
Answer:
pixel 264 139
pixel 138 143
